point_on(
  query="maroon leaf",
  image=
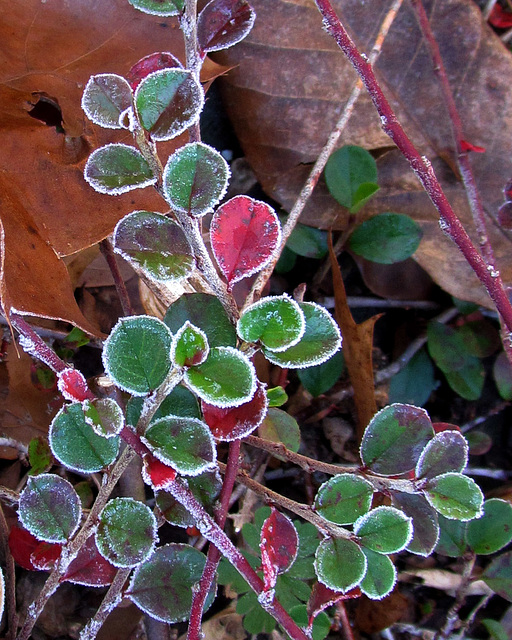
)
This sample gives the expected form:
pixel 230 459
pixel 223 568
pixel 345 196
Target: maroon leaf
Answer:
pixel 500 18
pixel 323 597
pixel 23 545
pixel 89 568
pixel 236 422
pixel 156 473
pixel 45 555
pixel 468 146
pixel 244 234
pixel 73 385
pixel 505 215
pixel 279 543
pixel 444 426
pixel 148 64
pixel 507 191
pixel 223 23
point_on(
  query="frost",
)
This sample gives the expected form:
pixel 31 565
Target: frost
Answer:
pixel 157 7
pixel 106 97
pixel 27 344
pixel 379 518
pixel 188 336
pixel 266 598
pixel 493 271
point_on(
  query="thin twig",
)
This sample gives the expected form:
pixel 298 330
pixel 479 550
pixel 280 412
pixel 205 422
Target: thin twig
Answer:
pixel 108 253
pixel 488 8
pixel 452 618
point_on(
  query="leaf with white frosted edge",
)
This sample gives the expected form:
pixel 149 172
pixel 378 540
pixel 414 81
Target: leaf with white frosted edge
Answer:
pixel 227 378
pixel 49 508
pixel 73 385
pixel 118 168
pixel 162 587
pixel 126 533
pixel 446 452
pixel 339 564
pixel 424 520
pixel 75 444
pixel 186 444
pixel 154 243
pixel 168 102
pixel 195 179
pixel 380 575
pixel 137 354
pixel 493 530
pixel 344 498
pixel 277 322
pixel 180 402
pixel 280 426
pixel 384 530
pixel 2 593
pixel 320 341
pixel 106 96
pixel 189 346
pixel 224 23
pixel 454 496
pixel 165 8
pixel 105 416
pixel 279 545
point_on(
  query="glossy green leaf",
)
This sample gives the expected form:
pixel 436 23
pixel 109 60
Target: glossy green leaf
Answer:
pixel 455 496
pixel 162 587
pixel 386 238
pixel 137 354
pixel 384 530
pixel 480 336
pixel 277 322
pixel 493 530
pixel 452 537
pixel 415 382
pixel 39 456
pixel 351 174
pixel 159 7
pixel 276 397
pixel 189 346
pixel 116 169
pixel 479 442
pixel 319 379
pixel 447 451
pixel 75 444
pixel 167 102
pixel 154 243
pixel 502 372
pixel 498 575
pixel 496 630
pixel 104 415
pixel 344 498
pixel 395 438
pixel 180 402
pixel 321 625
pixel 106 96
pixel 126 533
pixel 195 179
pixel 307 241
pixel 424 521
pixel 340 564
pixel 380 577
pixel 320 341
pixel 49 508
pixel 280 426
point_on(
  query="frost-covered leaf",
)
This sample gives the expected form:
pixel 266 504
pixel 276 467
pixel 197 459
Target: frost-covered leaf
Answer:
pixel 117 168
pixel 153 62
pixel 223 23
pixel 39 456
pixel 323 597
pixel 50 508
pixel 320 341
pixel 162 586
pixel 126 533
pixel 424 520
pixel 454 496
pixel 226 379
pixel 280 426
pixel 154 243
pixel 395 438
pixel 236 422
pixel 279 543
pixel 386 238
pixel 167 102
pixel 106 96
pixel 137 354
pixel 493 530
pixel 351 176
pixel 189 346
pixel 344 498
pixel 276 397
pixel 105 416
pixel 90 568
pixel 244 234
pixel 452 537
pixel 447 451
pixel 498 575
pixel 180 402
pixel 24 546
pixel 195 179
pixel 340 564
pixel 157 474
pixel 380 576
pixel 75 444
pixel 159 7
pixel 73 385
pixel 185 444
pixel 45 556
pixel 277 322
pixel 384 530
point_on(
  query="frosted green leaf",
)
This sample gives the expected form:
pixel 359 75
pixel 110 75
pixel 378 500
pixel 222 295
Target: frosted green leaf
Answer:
pixel 493 530
pixel 380 577
pixel 384 530
pixel 447 451
pixel 106 96
pixel 455 496
pixel 339 564
pixel 104 415
pixel 344 498
pixel 49 508
pixel 137 354
pixel 189 346
pixel 126 533
pixel 116 169
pixel 159 7
pixel 424 520
pixel 280 426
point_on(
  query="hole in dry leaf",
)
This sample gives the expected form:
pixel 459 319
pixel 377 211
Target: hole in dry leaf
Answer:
pixel 47 110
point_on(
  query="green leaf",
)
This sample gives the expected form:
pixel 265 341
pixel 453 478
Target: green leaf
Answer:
pixel 154 243
pixel 452 537
pixel 75 444
pixel 318 380
pixel 277 322
pixel 162 587
pixel 424 521
pixel 126 533
pixel 493 530
pixel 49 508
pixel 348 173
pixel 502 372
pixel 39 456
pixel 386 238
pixel 380 577
pixel 279 426
pixel 395 438
pixel 106 96
pixel 189 346
pixel 363 193
pixel 496 630
pixel 195 179
pixel 344 498
pixel 185 444
pixel 116 169
pixel 307 242
pixel 276 397
pixel 340 564
pixel 384 530
pixel 159 7
pixel 321 624
pixel 180 402
pixel 226 379
pixel 498 575
pixel 455 496
pixel 104 415
pixel 320 341
pixel 167 102
pixel 447 451
pixel 137 354
pixel 415 382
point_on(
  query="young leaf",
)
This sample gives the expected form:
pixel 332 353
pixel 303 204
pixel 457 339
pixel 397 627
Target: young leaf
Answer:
pixel 498 575
pixel 395 438
pixel 223 23
pixel 159 7
pixel 162 587
pixel 155 244
pixel 90 568
pixel 447 451
pixel 320 341
pixel 344 498
pixel 277 322
pixel 279 544
pixel 340 564
pixel 380 576
pixel 244 234
pixel 189 346
pixel 319 379
pixel 167 102
pixel 105 416
pixel 126 533
pixel 75 444
pixel 106 96
pixel 153 62
pixel 279 426
pixel 117 168
pixel 226 378
pixel 424 520
pixel 49 508
pixel 452 537
pixel 137 354
pixel 351 176
pixel 493 530
pixel 72 384
pixel 454 496
pixel 276 397
pixel 386 238
pixel 195 179
pixel 384 530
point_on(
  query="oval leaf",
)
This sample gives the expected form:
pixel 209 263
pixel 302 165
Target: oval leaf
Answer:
pixel 116 169
pixel 339 564
pixel 386 238
pixel 424 521
pixel 319 379
pixel 105 416
pixel 153 62
pixel 73 385
pixel 351 176
pixel 344 498
pixel 106 96
pixel 189 346
pixel 384 530
pixel 280 426
pixel 279 544
pixel 90 568
pixel 223 23
pixel 159 7
pixel 447 451
pixel 380 575
pixel 452 537
pixel 455 496
pixel 493 530
pixel 498 575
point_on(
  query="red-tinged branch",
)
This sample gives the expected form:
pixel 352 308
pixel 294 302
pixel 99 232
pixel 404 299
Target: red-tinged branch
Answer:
pixel 449 222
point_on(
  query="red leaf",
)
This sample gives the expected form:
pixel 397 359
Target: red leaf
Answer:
pixel 45 555
pixel 148 64
pixel 156 473
pixel 24 547
pixel 223 23
pixel 279 544
pixel 507 191
pixel 244 234
pixel 323 597
pixel 73 385
pixel 89 568
pixel 500 18
pixel 505 215
pixel 236 422
pixel 444 426
pixel 467 146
